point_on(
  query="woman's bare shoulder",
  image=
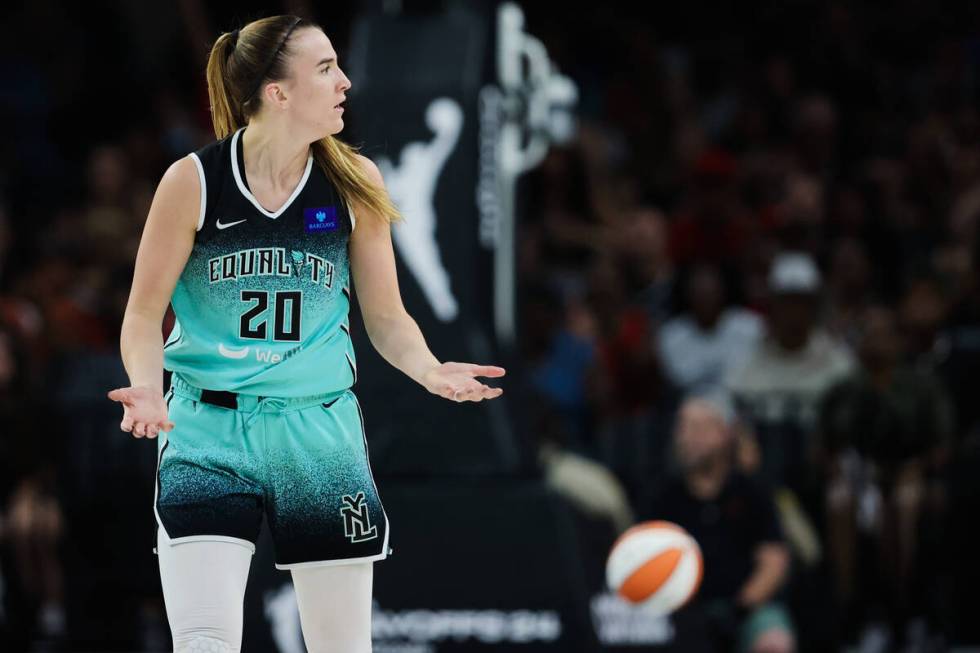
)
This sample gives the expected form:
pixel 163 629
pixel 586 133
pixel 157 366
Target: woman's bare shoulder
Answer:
pixel 179 193
pixel 370 168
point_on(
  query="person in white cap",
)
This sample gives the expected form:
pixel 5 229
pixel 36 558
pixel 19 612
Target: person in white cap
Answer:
pixel 779 386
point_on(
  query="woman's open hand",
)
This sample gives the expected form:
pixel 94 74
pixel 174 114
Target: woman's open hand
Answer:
pixel 144 411
pixel 457 381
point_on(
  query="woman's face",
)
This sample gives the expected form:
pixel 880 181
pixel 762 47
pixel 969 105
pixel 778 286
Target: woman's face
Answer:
pixel 316 84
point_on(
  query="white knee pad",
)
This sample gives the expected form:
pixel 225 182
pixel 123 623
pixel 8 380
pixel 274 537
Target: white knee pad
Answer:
pixel 205 645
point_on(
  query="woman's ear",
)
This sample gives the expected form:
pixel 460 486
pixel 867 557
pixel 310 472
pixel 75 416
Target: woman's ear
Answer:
pixel 276 95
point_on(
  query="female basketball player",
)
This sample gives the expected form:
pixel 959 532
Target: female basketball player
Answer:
pixel 253 239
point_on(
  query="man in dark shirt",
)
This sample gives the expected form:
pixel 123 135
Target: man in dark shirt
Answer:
pixel 886 431
pixel 734 521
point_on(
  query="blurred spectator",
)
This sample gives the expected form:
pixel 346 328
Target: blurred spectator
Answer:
pixel 34 527
pixel 849 289
pixel 955 353
pixel 31 519
pixel 704 346
pixel 816 135
pixel 734 521
pixel 712 224
pixel 886 428
pixel 923 310
pixel 561 354
pixel 565 224
pixel 798 217
pixel 779 387
pixel 631 397
pixel 649 271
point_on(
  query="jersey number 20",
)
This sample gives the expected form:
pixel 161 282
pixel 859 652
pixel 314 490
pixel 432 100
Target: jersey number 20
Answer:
pixel 288 303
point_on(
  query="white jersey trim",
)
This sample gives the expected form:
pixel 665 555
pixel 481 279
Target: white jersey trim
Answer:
pixel 202 538
pixel 207 538
pixel 335 563
pixel 161 445
pixel 353 367
pixel 248 195
pixel 204 190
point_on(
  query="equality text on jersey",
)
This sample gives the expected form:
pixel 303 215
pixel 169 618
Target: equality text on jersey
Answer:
pixel 270 261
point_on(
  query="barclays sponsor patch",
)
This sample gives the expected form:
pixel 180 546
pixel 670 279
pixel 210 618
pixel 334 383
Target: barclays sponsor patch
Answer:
pixel 323 218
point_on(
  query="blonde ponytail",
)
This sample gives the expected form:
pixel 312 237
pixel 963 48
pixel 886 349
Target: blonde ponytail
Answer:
pixel 225 114
pixel 339 161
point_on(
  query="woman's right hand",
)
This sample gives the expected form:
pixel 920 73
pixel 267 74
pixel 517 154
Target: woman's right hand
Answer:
pixel 144 411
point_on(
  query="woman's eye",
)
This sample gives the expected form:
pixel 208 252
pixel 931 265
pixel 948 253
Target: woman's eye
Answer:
pixel 325 69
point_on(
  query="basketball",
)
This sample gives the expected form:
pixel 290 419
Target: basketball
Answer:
pixel 656 565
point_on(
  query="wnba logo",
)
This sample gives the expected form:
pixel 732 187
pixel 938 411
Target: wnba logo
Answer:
pixel 357 525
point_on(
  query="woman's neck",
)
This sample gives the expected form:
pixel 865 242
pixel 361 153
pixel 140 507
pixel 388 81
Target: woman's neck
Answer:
pixel 272 155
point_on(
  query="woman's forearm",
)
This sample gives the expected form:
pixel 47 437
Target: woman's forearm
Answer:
pixel 141 345
pixel 400 342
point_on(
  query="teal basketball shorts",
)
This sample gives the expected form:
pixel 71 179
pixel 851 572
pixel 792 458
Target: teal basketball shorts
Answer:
pixel 301 462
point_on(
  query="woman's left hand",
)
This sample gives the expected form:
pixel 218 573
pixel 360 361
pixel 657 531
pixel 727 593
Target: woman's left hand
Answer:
pixel 457 381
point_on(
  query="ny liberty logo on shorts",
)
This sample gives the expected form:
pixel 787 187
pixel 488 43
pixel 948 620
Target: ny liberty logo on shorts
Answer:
pixel 323 218
pixel 357 524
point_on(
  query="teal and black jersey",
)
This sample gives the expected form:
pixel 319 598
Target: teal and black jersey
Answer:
pixel 262 304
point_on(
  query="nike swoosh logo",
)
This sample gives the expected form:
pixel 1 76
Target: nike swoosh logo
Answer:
pixel 228 224
pixel 231 353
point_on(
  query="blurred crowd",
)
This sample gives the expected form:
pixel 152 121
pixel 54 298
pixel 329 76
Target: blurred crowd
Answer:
pixel 750 304
pixel 751 291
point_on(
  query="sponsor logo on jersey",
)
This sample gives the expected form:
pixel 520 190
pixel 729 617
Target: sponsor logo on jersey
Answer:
pixel 322 218
pixel 232 353
pixel 269 356
pixel 261 355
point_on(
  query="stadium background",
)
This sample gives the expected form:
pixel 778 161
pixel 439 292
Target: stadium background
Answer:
pixel 804 169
